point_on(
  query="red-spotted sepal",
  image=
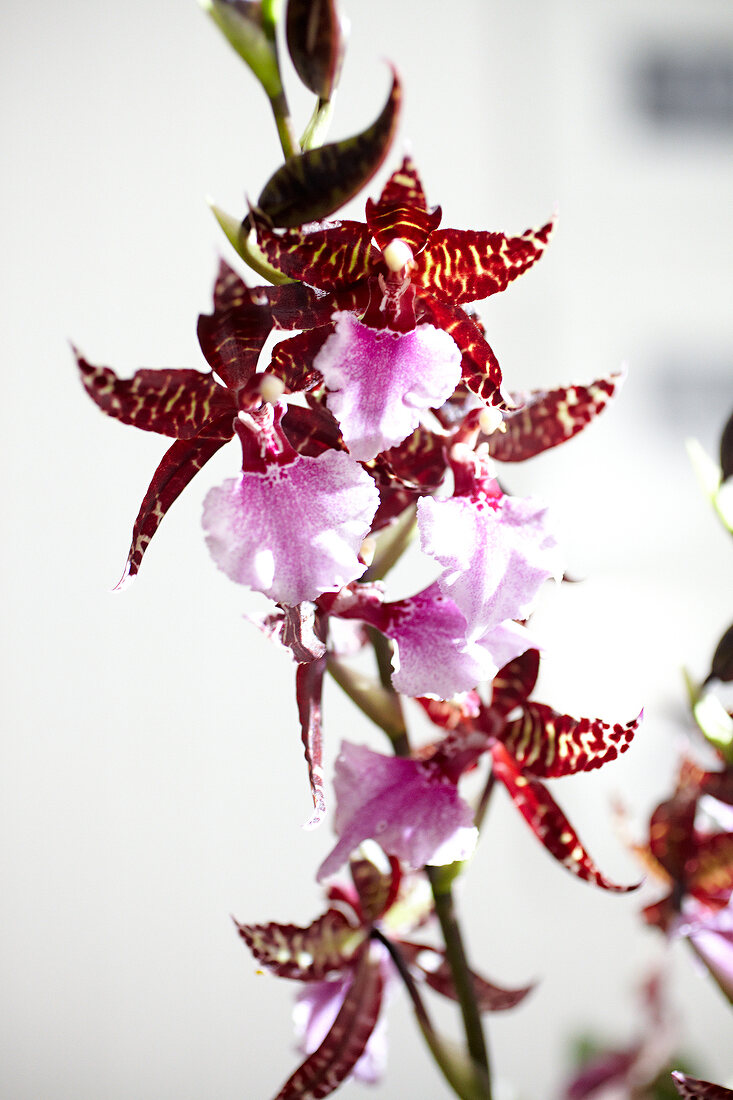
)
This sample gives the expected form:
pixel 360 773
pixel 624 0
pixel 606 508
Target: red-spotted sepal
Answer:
pixel 691 1088
pixel 176 403
pixel 515 682
pixel 179 466
pixel 324 1070
pixel 432 966
pixel 547 418
pixel 549 745
pixel 308 954
pixel 402 211
pixel 330 258
pixel 465 265
pixel 480 370
pixel 548 822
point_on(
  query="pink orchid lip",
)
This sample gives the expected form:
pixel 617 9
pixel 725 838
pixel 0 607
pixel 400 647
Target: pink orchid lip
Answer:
pixel 380 380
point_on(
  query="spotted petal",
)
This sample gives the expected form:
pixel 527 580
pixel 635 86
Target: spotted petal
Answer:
pixel 330 258
pixel 177 403
pixel 345 1043
pixel 549 744
pixel 402 211
pixel 464 266
pixel 548 822
pixel 308 954
pixel 380 381
pixel 545 419
pixel 178 467
pixel 480 368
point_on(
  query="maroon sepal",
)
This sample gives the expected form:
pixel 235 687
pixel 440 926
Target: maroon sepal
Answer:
pixel 376 890
pixel 726 450
pixel 718 785
pixel 312 430
pixel 309 693
pixel 176 403
pixel 402 211
pixel 178 467
pixel 230 289
pixel 232 340
pixel 307 954
pixel 437 974
pixel 545 419
pixel 312 185
pixel 480 370
pixel 316 44
pixel 550 745
pixel 672 833
pixel 327 1067
pixel 722 663
pixel 449 714
pixel 513 684
pixel 466 265
pixel 548 822
pixel 710 876
pixel 292 360
pixel 331 257
pixel 690 1088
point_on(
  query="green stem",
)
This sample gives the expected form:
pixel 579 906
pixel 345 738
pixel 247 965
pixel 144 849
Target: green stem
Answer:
pixel 283 121
pixel 451 1069
pixel 371 699
pixel 440 881
pixel 483 803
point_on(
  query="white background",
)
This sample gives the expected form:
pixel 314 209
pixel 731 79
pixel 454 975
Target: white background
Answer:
pixel 152 779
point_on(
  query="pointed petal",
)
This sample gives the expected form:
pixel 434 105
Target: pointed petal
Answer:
pixel 544 419
pixel 464 266
pixel 548 822
pixel 480 368
pixel 409 808
pixel 711 877
pixel 312 430
pixel 344 1045
pixel 381 381
pixel 297 629
pixel 179 466
pixel 232 339
pixel 672 833
pixel 229 289
pixel 432 963
pixel 376 890
pixel 549 744
pixel 308 692
pixel 177 403
pixel 690 1088
pixel 514 683
pixel 316 1007
pixel 316 42
pixel 292 359
pixel 293 531
pixel 401 211
pixel 312 185
pixel 308 954
pixel 330 258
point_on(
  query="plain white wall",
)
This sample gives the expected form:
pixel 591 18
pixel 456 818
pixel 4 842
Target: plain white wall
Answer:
pixel 152 781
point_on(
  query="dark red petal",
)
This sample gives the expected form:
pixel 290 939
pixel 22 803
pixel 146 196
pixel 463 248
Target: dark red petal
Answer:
pixel 549 744
pixel 451 713
pixel 548 822
pixel 345 1043
pixel 480 368
pixel 308 954
pixel 544 419
pixel 177 403
pixel 489 997
pixel 292 359
pixel 331 258
pixel 710 878
pixel 179 466
pixel 313 430
pixel 690 1088
pixel 316 43
pixel 229 289
pixel 309 692
pixel 232 339
pixel 402 211
pixel 377 890
pixel 312 185
pixel 514 682
pixel 464 266
pixel 672 833
pixel 719 785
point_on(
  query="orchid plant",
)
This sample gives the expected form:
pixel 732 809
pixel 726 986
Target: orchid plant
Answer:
pixel 378 417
